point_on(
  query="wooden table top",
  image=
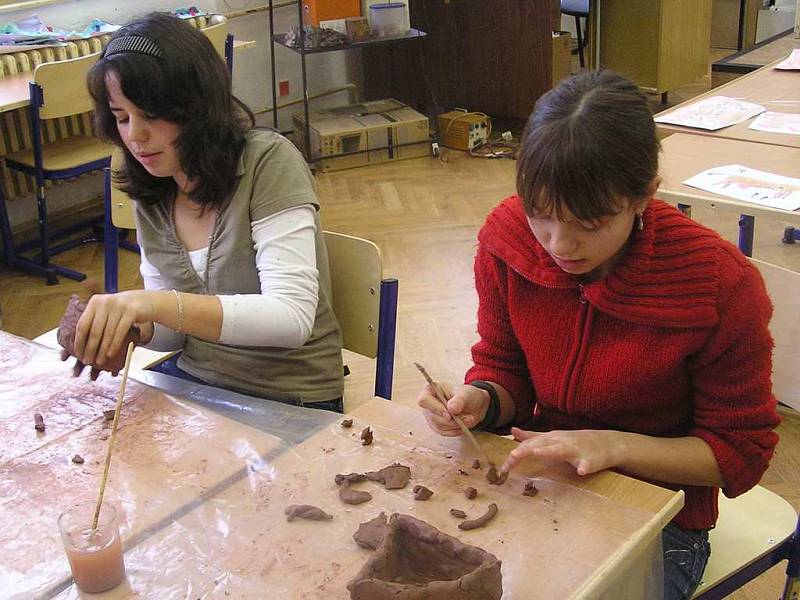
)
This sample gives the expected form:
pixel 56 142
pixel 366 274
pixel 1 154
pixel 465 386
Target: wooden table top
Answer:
pixel 684 156
pixel 775 89
pixel 203 476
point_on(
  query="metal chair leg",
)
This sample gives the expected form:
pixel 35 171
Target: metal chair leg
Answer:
pixel 580 41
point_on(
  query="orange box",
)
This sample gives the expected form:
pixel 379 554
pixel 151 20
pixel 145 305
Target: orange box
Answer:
pixel 315 11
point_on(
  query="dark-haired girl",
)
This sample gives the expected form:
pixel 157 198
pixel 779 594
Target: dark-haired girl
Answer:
pixel 616 333
pixel 233 259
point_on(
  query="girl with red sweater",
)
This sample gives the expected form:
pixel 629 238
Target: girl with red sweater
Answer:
pixel 615 332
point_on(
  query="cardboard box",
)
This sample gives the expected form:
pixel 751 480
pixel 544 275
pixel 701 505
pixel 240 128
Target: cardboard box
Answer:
pixel 372 137
pixel 562 56
pixel 315 11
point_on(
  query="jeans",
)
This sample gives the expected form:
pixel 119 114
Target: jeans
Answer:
pixel 170 367
pixel 686 553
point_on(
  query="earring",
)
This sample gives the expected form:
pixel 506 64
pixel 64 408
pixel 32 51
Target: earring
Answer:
pixel 639 221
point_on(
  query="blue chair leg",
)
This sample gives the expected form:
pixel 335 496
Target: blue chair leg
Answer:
pixel 229 53
pixel 792 587
pixel 746 232
pixel 110 238
pixel 387 330
pixel 580 42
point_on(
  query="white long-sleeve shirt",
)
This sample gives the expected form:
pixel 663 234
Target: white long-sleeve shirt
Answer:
pixel 283 314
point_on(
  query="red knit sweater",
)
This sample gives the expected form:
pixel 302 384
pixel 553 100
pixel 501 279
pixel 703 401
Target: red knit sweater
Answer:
pixel 672 342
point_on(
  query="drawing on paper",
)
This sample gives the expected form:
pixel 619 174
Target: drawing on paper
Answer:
pixel 750 185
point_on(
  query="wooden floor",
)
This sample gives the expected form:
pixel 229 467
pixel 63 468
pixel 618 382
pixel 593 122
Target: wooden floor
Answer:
pixel 424 215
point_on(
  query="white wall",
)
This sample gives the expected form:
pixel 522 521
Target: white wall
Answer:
pixel 251 78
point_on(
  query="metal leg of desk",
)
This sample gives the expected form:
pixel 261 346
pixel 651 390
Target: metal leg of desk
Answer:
pixel 746 231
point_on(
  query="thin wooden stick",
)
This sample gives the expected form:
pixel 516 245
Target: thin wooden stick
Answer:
pixel 120 396
pixel 442 397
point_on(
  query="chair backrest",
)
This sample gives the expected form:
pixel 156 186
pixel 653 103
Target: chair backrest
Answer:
pixel 217 31
pixel 121 203
pixel 63 85
pixel 783 286
pixel 364 303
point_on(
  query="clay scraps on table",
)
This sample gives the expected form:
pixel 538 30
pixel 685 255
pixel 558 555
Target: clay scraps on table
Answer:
pixel 77 459
pixel 350 496
pixel 370 533
pixel 393 477
pixel 471 493
pixel 495 478
pixel 38 422
pixel 347 423
pixel 458 513
pixel 109 414
pixel 417 561
pixel 366 436
pixel 476 464
pixel 530 489
pixel 422 493
pixel 306 511
pixel 480 521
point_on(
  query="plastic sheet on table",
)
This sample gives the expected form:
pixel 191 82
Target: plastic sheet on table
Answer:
pixel 202 481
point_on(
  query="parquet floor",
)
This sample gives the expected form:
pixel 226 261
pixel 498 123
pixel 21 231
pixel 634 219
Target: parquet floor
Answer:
pixel 424 215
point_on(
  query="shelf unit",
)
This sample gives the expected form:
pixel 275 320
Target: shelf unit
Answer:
pixel 279 39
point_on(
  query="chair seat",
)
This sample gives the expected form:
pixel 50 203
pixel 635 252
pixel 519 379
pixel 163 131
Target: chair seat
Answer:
pixel 749 527
pixel 575 8
pixel 66 153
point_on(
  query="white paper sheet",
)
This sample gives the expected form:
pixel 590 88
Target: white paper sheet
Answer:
pixel 791 63
pixel 750 185
pixel 712 113
pixel 777 122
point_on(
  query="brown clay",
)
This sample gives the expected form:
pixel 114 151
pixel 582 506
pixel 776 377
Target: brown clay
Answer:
pixel 422 493
pixel 458 513
pixel 347 423
pixel 66 338
pixel 471 493
pixel 462 472
pixel 77 459
pixel 349 478
pixel 476 464
pixel 38 422
pixel 530 489
pixel 416 561
pixel 370 534
pixel 306 511
pixel 109 414
pixel 393 477
pixel 495 478
pixel 480 521
pixel 351 496
pixel 366 436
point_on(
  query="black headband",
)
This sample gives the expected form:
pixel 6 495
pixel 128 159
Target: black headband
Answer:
pixel 133 43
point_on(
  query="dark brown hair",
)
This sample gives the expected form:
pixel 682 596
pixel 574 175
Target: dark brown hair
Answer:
pixel 590 147
pixel 188 85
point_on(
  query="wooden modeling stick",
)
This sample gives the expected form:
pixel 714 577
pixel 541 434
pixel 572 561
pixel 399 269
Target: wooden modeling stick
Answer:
pixel 120 396
pixel 440 396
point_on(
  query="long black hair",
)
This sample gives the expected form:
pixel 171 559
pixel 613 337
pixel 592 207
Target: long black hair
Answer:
pixel 590 146
pixel 189 85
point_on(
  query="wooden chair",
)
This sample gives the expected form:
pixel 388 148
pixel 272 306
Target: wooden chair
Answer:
pixel 216 30
pixel 364 303
pixel 118 216
pixel 58 90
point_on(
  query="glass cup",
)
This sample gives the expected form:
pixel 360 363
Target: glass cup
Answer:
pixel 95 557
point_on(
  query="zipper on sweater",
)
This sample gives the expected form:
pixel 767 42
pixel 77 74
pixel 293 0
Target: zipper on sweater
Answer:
pixel 583 325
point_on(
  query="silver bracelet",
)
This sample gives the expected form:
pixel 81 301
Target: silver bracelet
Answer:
pixel 179 300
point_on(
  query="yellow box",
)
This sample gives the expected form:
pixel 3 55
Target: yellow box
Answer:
pixel 464 130
pixel 562 56
pixel 374 137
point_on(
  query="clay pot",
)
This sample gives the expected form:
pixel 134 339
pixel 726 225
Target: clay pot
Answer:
pixel 416 561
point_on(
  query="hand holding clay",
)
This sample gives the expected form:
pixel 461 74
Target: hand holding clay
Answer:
pixel 587 450
pixel 68 333
pixel 466 401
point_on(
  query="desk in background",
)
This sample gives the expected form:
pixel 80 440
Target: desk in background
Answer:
pixel 202 477
pixel 775 89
